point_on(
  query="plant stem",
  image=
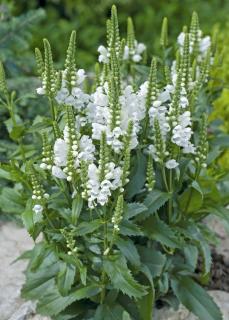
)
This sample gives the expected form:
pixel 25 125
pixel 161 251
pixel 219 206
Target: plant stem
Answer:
pixel 171 192
pixel 105 245
pixel 191 191
pixel 164 178
pixel 53 109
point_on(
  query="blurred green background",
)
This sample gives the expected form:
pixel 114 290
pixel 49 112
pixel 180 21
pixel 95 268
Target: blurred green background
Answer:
pixel 88 17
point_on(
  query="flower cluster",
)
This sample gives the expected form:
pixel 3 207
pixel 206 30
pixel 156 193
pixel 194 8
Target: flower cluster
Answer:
pixel 104 127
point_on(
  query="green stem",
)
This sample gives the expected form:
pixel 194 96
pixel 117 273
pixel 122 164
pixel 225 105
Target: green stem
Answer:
pixel 190 195
pixel 171 192
pixel 22 150
pixel 53 109
pixel 105 246
pixel 164 178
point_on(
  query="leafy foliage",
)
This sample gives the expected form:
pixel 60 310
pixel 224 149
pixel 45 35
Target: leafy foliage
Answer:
pixel 114 258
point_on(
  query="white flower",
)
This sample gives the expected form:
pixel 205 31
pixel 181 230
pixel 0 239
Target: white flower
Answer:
pixel 140 48
pixel 58 172
pixel 134 53
pixel 171 164
pixel 185 119
pixel 184 101
pixel 38 208
pixel 180 39
pixel 205 44
pixel 159 112
pixel 126 53
pixel 40 91
pixel 97 130
pixel 104 54
pixel 60 152
pixel 87 149
pixel 181 135
pixel 136 57
pixel 189 148
pixel 80 76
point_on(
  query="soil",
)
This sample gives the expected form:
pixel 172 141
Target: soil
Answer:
pixel 219 272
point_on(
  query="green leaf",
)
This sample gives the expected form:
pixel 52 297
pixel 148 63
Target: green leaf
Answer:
pixel 153 259
pixel 129 250
pixel 221 212
pixel 154 201
pixel 207 259
pixel 145 305
pixel 77 205
pixel 191 255
pixel 17 132
pixel 27 218
pixel 137 175
pixel 38 282
pixel 128 228
pixel 196 186
pixel 52 303
pixel 121 277
pixel 156 229
pixel 126 316
pixel 65 278
pixel 87 227
pixel 195 298
pixel 114 312
pixel 191 200
pixel 11 201
pixel 133 209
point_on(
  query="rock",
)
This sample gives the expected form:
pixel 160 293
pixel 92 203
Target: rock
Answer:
pixel 220 297
pixel 14 241
pixel 24 311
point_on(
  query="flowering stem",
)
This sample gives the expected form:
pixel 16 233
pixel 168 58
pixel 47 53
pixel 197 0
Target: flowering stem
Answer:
pixel 191 191
pixel 53 110
pixel 164 177
pixel 105 245
pixel 171 192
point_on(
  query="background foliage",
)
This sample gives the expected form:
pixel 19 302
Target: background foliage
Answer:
pixel 88 17
pixel 25 23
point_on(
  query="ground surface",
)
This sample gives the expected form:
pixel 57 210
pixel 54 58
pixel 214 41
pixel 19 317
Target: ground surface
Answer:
pixel 14 241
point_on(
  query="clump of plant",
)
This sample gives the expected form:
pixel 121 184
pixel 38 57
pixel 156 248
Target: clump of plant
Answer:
pixel 123 183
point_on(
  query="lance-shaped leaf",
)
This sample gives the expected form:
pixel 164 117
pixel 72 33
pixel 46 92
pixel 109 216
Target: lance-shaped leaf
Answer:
pixel 121 277
pixel 153 202
pixel 158 230
pixel 195 298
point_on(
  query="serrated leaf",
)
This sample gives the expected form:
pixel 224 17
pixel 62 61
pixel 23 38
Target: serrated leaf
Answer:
pixel 77 205
pixel 87 227
pixel 154 201
pixel 27 219
pixel 190 200
pixel 138 176
pixel 158 230
pixel 207 259
pixel 191 255
pixel 129 250
pixel 11 201
pixel 121 277
pixel 128 228
pixel 52 303
pixel 65 278
pixel 221 212
pixel 195 298
pixel 153 259
pixel 133 209
pixel 114 312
